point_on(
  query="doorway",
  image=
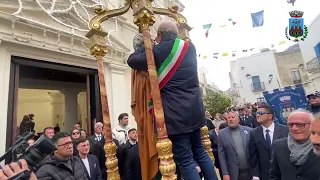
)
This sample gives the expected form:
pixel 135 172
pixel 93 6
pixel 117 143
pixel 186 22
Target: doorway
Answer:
pixel 56 95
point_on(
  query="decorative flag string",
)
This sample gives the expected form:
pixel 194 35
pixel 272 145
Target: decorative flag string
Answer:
pixel 207 27
pixel 216 55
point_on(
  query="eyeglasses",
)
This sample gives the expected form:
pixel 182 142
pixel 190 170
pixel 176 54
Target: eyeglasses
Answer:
pixel 313 97
pixel 66 144
pixel 298 125
pixel 74 133
pixel 262 113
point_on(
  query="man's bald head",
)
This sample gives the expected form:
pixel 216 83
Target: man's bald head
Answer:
pixel 166 29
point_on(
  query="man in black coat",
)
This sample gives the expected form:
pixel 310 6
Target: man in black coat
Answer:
pixel 176 63
pixel 97 147
pixel 124 148
pixel 89 162
pixel 245 119
pixel 62 164
pixel 132 168
pixel 293 157
pixel 261 141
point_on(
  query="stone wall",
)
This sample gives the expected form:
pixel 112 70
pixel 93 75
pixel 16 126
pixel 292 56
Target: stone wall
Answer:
pixel 286 62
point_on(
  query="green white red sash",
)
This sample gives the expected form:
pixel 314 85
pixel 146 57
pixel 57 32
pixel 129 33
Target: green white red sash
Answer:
pixel 170 65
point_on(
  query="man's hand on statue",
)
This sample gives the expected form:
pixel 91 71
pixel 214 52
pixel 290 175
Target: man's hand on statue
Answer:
pixel 226 177
pixel 13 169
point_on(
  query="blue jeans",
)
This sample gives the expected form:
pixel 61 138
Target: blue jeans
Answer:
pixel 188 151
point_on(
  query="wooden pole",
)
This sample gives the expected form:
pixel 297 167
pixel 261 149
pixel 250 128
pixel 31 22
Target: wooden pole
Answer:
pixel 109 146
pixel 98 49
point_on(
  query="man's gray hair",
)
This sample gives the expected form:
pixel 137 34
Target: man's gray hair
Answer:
pixel 97 124
pixel 300 110
pixel 168 28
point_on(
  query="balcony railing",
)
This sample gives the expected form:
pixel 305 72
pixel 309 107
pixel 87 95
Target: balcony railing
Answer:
pixel 257 87
pixel 313 66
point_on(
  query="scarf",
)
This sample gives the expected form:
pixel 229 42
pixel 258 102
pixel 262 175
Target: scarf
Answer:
pixel 299 152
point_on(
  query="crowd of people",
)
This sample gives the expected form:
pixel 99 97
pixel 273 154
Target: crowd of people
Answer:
pixel 246 141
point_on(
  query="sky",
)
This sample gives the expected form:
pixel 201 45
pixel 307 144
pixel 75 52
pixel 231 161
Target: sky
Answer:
pixel 241 35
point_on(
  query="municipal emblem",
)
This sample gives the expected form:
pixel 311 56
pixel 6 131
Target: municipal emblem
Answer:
pixel 296 31
pixel 286 106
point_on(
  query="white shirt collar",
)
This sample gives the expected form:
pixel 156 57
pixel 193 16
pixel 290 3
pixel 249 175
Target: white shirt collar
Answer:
pixel 271 128
pixel 98 135
pixel 132 142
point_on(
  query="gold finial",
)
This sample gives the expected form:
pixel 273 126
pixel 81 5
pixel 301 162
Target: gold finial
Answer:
pixel 99 9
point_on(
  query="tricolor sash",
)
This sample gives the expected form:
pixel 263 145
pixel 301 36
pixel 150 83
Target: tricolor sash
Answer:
pixel 170 66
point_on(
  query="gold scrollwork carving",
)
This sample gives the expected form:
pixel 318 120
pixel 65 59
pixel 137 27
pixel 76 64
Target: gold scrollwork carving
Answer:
pixel 144 19
pixel 112 161
pixel 206 142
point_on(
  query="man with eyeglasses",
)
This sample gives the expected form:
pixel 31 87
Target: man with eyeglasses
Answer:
pixel 61 164
pixel 293 157
pixel 261 139
pixel 314 102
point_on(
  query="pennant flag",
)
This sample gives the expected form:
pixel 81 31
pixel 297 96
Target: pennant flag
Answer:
pixel 233 23
pixel 230 19
pixel 257 18
pixel 216 57
pixel 223 26
pixel 291 2
pixel 233 54
pixel 272 45
pixel 225 54
pixel 282 42
pixel 215 53
pixel 204 57
pixel 251 49
pixel 244 50
pixel 207 28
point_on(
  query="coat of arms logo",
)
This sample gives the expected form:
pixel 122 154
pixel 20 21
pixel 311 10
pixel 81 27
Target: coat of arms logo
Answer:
pixel 296 31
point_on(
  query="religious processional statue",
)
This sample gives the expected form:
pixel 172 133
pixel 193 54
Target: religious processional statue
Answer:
pixel 144 82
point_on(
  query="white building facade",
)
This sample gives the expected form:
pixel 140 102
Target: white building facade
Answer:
pixel 204 82
pixel 310 50
pixel 53 32
pixel 250 76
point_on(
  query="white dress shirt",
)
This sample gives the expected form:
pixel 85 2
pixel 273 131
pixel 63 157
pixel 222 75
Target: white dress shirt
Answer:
pixel 271 131
pixel 99 137
pixel 86 164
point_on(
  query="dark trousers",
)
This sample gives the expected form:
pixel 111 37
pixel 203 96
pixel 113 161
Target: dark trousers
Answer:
pixel 244 175
pixel 189 150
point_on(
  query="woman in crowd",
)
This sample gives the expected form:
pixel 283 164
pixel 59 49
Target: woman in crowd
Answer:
pixel 218 119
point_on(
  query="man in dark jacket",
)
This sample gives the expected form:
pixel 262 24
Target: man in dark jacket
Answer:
pixel 293 157
pixel 89 162
pixel 176 63
pixel 261 140
pixel 62 164
pixel 246 120
pixel 132 167
pixel 213 136
pixel 314 102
